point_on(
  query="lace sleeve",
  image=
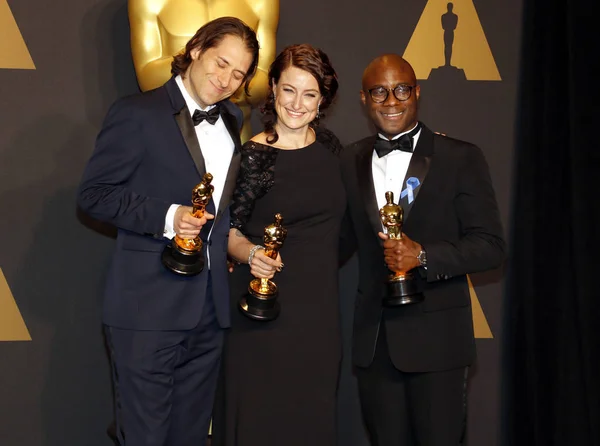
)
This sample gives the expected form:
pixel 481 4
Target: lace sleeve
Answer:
pixel 329 140
pixel 256 177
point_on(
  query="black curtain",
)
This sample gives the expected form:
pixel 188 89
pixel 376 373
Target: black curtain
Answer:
pixel 552 317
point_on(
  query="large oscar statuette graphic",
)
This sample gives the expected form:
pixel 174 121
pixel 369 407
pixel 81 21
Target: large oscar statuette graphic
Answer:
pixel 402 288
pixel 261 301
pixel 184 256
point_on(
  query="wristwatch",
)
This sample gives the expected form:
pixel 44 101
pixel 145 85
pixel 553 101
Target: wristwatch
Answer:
pixel 422 257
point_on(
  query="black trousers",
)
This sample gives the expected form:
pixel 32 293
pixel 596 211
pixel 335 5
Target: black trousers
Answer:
pixel 165 382
pixel 411 409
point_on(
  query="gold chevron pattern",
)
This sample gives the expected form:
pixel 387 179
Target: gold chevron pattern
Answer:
pixel 12 325
pixel 480 323
pixel 471 52
pixel 13 51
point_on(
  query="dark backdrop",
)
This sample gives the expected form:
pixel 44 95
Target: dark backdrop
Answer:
pixel 552 340
pixel 55 389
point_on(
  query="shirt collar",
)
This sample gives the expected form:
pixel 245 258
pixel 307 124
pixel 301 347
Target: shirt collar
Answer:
pixel 403 133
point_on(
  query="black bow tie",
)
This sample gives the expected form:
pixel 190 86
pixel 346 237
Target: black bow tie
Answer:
pixel 210 116
pixel 404 143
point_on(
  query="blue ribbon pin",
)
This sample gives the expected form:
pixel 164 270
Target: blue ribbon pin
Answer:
pixel 411 184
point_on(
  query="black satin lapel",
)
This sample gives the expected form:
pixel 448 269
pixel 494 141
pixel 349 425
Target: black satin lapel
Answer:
pixel 365 183
pixel 418 168
pixel 186 126
pixel 230 182
pixel 232 127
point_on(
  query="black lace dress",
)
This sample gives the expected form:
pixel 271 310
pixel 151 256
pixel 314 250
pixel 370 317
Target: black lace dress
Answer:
pixel 279 378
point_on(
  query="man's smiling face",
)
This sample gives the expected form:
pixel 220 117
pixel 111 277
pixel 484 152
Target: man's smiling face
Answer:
pixel 391 116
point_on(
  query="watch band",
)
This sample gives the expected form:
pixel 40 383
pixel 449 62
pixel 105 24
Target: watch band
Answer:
pixel 422 257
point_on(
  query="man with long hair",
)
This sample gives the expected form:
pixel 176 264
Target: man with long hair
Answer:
pixel 164 330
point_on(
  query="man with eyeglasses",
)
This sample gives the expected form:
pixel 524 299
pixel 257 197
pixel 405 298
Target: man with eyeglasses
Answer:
pixel 412 358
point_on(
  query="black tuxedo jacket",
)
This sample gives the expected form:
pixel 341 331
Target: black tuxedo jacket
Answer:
pixel 454 216
pixel 147 157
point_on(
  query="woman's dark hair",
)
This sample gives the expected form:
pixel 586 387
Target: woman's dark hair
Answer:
pixel 307 58
pixel 210 36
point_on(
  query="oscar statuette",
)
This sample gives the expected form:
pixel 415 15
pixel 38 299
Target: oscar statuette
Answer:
pixel 260 303
pixel 402 288
pixel 184 256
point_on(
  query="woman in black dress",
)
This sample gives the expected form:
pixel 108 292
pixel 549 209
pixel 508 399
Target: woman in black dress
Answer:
pixel 279 378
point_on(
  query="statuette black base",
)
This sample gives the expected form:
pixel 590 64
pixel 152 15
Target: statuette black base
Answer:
pixel 184 263
pixel 402 292
pixel 259 307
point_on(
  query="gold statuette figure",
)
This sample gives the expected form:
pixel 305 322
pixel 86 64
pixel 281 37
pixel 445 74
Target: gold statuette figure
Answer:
pixel 402 288
pixel 261 301
pixel 184 255
pixel 161 28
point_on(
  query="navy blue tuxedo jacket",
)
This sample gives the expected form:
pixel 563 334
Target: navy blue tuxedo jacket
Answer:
pixel 147 157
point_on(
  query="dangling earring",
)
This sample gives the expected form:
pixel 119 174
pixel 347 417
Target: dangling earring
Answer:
pixel 318 111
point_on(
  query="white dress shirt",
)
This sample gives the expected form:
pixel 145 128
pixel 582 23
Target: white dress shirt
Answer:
pixel 390 170
pixel 217 149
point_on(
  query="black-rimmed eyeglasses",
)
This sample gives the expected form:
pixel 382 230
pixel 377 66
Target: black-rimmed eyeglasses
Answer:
pixel 401 92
